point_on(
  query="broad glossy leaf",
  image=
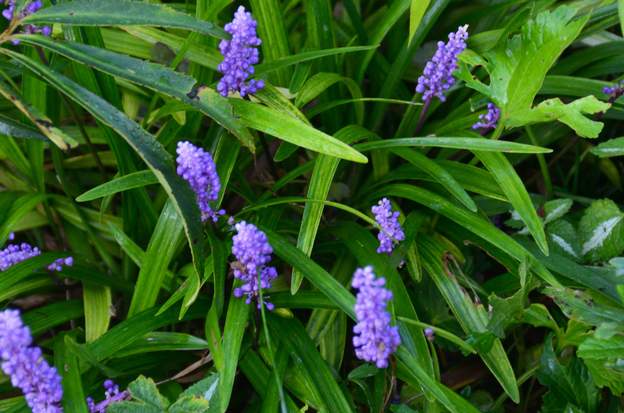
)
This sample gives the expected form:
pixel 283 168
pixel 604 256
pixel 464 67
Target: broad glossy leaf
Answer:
pixel 610 148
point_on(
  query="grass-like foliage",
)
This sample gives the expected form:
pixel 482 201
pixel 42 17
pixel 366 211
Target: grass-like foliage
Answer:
pixel 311 205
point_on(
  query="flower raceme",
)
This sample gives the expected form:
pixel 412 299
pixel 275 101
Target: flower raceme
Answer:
pixel 390 232
pixel 111 394
pixel 488 120
pixel 252 250
pixel 197 167
pixel 30 8
pixel 375 339
pixel 437 76
pixel 15 253
pixel 239 55
pixel 26 367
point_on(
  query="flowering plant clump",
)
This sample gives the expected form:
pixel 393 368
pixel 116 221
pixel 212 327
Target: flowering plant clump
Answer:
pixel 228 180
pixel 24 364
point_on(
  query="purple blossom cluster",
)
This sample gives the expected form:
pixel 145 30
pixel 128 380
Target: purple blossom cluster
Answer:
pixel 438 74
pixel 375 339
pixel 239 55
pixel 111 394
pixel 30 8
pixel 252 250
pixel 26 367
pixel 390 232
pixel 15 253
pixel 488 120
pixel 614 91
pixel 197 168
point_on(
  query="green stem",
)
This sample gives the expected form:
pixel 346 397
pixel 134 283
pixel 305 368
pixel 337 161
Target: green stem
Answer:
pixel 442 333
pixel 542 163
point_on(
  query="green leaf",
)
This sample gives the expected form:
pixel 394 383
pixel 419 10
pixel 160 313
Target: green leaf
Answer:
pixel 518 67
pixel 97 310
pixel 162 246
pixel 439 175
pixel 152 152
pixel 556 208
pixel 291 130
pixel 516 193
pixel 603 359
pixel 571 114
pixel 601 231
pixel 67 365
pixel 471 144
pixel 610 148
pixel 21 270
pixel 417 11
pixel 293 335
pixel 120 13
pixel 123 183
pixel 189 404
pixel 157 77
pixel 563 239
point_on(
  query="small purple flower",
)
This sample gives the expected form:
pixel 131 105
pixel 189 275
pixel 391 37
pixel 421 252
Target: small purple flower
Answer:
pixel 58 264
pixel 252 250
pixel 30 8
pixel 375 339
pixel 26 367
pixel 239 55
pixel 488 120
pixel 16 253
pixel 615 91
pixel 197 168
pixel 112 395
pixel 438 74
pixel 391 232
pixel 429 333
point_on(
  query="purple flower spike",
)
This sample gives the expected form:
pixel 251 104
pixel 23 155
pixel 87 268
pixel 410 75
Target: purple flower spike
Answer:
pixel 488 120
pixel 29 8
pixel 197 168
pixel 112 394
pixel 239 55
pixel 438 74
pixel 614 91
pixel 58 264
pixel 25 365
pixel 14 253
pixel 375 339
pixel 391 232
pixel 252 251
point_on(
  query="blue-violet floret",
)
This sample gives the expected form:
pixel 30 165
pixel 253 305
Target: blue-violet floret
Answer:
pixel 252 250
pixel 390 232
pixel 488 120
pixel 26 367
pixel 437 76
pixel 240 54
pixel 375 339
pixel 197 167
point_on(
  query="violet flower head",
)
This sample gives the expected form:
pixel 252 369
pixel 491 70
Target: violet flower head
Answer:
pixel 197 168
pixel 26 367
pixel 614 91
pixel 391 232
pixel 16 253
pixel 375 339
pixel 437 76
pixel 28 9
pixel 252 250
pixel 488 120
pixel 112 395
pixel 58 264
pixel 239 55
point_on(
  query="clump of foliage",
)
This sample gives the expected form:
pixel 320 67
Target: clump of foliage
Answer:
pixel 311 205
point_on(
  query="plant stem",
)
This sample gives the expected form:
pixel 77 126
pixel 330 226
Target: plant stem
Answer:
pixel 542 163
pixel 422 116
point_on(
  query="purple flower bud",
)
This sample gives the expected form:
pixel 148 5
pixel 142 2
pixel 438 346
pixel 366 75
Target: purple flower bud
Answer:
pixel 111 394
pixel 58 264
pixel 239 55
pixel 391 232
pixel 26 367
pixel 437 76
pixel 375 339
pixel 615 91
pixel 14 253
pixel 429 333
pixel 488 120
pixel 197 168
pixel 252 250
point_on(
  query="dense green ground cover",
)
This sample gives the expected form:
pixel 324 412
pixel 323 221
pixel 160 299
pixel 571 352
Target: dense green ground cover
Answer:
pixel 508 287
